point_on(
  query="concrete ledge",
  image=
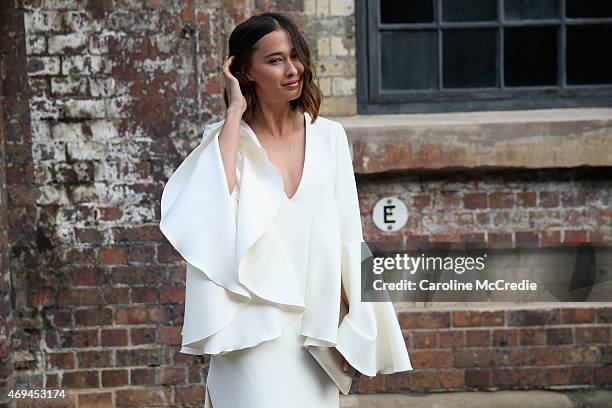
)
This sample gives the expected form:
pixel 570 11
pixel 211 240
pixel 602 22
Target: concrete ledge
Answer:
pixel 547 138
pixel 480 399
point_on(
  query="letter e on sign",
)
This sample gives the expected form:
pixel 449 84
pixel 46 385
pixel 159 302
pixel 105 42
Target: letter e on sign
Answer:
pixel 389 214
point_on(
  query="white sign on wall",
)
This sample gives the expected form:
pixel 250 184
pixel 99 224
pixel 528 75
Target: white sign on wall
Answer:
pixel 389 214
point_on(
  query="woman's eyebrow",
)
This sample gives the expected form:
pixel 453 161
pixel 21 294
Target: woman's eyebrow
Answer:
pixel 277 52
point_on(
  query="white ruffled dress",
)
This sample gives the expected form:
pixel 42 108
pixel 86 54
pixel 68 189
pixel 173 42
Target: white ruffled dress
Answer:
pixel 264 272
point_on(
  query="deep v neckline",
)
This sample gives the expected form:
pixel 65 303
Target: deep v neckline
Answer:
pixel 304 165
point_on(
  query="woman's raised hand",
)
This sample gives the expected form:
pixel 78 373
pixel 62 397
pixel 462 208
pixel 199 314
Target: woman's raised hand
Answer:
pixel 234 95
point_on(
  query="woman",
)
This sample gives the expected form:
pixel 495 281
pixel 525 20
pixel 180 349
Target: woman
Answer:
pixel 266 214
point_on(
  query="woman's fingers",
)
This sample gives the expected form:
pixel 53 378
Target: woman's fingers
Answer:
pixel 346 367
pixel 226 69
pixel 232 86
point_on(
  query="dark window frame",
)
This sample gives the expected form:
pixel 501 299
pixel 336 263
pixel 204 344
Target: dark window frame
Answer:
pixel 371 100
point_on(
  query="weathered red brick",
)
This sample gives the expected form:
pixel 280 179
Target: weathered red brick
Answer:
pixel 475 200
pixel 472 318
pixel 424 320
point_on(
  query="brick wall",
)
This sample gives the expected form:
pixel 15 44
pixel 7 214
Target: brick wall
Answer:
pixel 16 234
pixel 504 349
pixel 504 209
pixel 6 310
pixel 102 101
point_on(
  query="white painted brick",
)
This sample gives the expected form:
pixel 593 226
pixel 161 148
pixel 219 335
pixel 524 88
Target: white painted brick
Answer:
pixel 44 108
pixel 139 214
pixel 337 47
pixel 118 107
pixel 166 43
pixel 52 194
pixel 85 108
pixel 325 86
pixel 124 195
pixel 322 8
pixel 342 7
pixel 69 86
pixel 40 131
pixel 98 43
pixel 38 21
pixel 43 66
pixel 101 87
pixel 103 130
pixel 323 46
pixel 343 86
pixel 86 65
pixel 141 20
pixel 183 63
pixel 36 44
pixel 122 87
pixel 64 229
pixel 127 43
pixel 139 4
pixel 330 68
pixel 67 132
pixel 128 149
pixel 81 22
pixel 39 86
pixel 46 151
pixel 86 150
pixel 89 193
pixel 61 4
pixel 106 170
pixel 310 7
pixel 75 65
pixel 165 65
pixel 59 44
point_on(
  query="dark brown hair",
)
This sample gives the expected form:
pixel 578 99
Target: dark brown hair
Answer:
pixel 242 42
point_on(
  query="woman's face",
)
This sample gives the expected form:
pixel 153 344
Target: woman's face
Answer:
pixel 274 64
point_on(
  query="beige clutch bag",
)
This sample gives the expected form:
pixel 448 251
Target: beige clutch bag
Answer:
pixel 331 360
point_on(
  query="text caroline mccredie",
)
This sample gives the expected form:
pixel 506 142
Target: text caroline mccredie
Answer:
pixel 455 285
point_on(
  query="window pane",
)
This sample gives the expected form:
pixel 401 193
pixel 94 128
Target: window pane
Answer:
pixel 469 58
pixel 530 56
pixel 530 9
pixel 469 10
pixel 587 62
pixel 414 11
pixel 408 59
pixel 588 8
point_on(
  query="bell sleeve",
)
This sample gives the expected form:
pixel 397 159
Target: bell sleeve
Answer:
pixel 198 217
pixel 369 336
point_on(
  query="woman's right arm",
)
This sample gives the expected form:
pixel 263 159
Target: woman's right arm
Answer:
pixel 230 132
pixel 228 143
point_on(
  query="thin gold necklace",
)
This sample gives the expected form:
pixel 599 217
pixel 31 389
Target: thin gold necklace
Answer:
pixel 290 146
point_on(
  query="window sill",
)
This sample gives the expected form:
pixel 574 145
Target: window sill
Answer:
pixel 543 138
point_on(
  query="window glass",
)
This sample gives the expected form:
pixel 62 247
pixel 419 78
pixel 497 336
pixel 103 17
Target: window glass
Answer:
pixel 530 9
pixel 587 63
pixel 408 59
pixel 530 56
pixel 469 10
pixel 588 8
pixel 469 57
pixel 413 11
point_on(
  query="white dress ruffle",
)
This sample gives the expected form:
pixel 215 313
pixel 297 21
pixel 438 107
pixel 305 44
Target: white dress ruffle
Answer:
pixel 238 293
